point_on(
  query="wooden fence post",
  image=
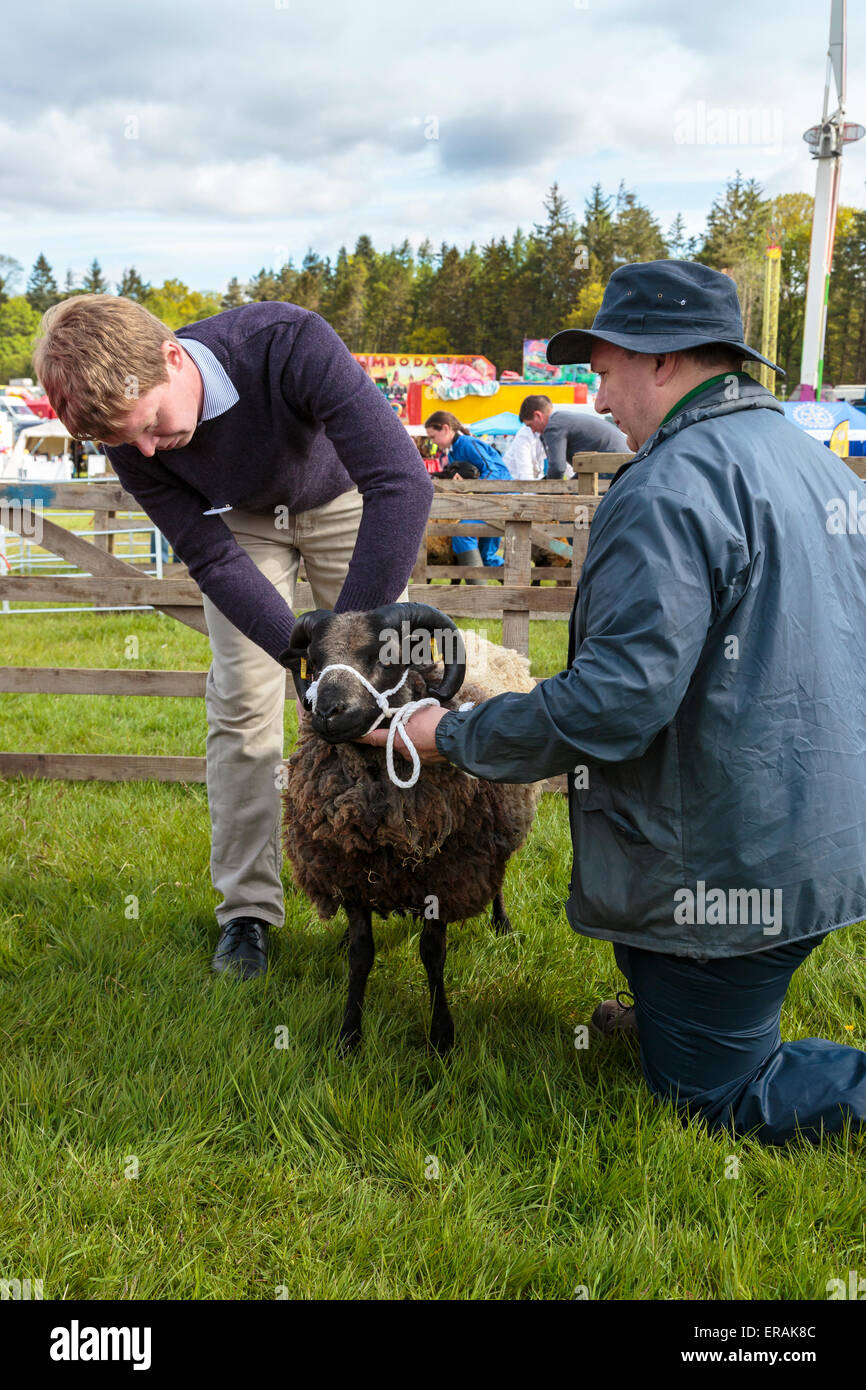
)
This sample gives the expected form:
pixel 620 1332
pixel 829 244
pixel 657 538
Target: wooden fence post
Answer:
pixel 419 569
pixel 101 522
pixel 518 573
pixel 587 484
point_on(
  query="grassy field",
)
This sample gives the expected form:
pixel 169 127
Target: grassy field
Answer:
pixel 156 1143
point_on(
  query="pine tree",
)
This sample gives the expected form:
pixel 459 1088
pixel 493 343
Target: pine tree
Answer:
pixel 597 235
pixel 522 310
pixel 637 234
pixel 132 286
pixel 314 284
pixel 501 337
pixel 420 296
pixel 286 282
pixel 736 224
pixel 41 290
pixel 346 310
pixel 388 303
pixel 94 282
pixel 556 264
pixel 735 240
pixel 453 305
pixel 263 286
pixel 234 295
pixel 677 240
pixel 403 253
pixel 365 252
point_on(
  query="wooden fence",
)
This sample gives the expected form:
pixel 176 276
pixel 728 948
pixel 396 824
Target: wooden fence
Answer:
pixel 526 514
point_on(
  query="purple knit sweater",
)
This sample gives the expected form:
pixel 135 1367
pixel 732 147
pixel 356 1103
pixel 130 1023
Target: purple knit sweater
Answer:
pixel 308 425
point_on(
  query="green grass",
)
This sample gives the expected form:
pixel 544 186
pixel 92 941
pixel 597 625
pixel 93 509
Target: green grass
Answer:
pixel 262 1167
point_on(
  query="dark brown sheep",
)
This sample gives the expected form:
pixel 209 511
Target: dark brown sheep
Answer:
pixel 438 849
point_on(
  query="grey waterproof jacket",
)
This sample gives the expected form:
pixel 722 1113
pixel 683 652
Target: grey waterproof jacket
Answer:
pixel 712 717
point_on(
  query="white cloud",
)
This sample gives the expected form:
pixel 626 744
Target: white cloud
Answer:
pixel 257 126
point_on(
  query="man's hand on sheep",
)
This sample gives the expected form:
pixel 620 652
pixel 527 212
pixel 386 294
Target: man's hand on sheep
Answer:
pixel 421 728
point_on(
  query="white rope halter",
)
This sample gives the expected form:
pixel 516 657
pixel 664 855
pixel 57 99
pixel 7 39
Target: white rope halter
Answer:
pixel 398 717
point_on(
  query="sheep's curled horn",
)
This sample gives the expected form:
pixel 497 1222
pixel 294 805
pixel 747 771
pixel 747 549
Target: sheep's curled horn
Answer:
pixel 424 617
pixel 420 617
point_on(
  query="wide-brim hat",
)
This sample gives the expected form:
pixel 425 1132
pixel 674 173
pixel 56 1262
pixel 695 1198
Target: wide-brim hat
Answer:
pixel 661 306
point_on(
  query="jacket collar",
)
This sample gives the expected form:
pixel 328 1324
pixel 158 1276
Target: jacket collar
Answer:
pixel 719 398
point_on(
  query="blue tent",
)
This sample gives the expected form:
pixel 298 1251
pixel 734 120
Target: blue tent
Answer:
pixel 506 422
pixel 820 418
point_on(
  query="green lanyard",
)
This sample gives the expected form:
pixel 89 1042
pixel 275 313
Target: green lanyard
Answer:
pixel 722 376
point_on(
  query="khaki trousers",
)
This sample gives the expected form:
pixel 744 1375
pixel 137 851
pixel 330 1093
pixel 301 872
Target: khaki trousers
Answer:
pixel 245 699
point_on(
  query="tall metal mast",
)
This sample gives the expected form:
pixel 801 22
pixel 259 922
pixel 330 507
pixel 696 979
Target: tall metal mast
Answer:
pixel 826 141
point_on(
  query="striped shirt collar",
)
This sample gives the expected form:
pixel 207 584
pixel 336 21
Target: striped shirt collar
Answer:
pixel 219 393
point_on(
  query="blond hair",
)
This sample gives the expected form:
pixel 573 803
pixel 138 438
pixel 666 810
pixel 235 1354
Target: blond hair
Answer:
pixel 96 356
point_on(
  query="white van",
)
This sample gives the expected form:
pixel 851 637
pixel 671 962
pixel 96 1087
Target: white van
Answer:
pixel 853 394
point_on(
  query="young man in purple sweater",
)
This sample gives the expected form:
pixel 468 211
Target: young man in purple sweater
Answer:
pixel 250 439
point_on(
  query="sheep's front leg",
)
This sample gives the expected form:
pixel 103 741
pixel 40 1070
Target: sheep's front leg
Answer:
pixel 361 953
pixel 433 948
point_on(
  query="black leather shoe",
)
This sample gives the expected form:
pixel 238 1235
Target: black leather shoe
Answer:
pixel 242 947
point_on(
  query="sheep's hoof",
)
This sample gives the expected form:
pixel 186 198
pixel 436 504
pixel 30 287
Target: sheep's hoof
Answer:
pixel 442 1037
pixel 348 1042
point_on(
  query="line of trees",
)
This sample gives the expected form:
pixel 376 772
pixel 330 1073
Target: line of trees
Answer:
pixel 487 299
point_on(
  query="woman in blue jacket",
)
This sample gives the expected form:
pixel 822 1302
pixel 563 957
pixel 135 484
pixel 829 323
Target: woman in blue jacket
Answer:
pixel 447 432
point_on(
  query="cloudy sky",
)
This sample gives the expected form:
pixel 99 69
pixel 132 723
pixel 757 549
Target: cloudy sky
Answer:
pixel 207 138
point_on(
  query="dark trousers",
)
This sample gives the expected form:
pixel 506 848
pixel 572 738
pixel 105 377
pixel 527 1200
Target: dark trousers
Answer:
pixel 710 1042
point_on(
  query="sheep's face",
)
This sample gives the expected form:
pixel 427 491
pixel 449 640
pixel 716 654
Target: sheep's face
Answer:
pixel 345 709
pixel 381 647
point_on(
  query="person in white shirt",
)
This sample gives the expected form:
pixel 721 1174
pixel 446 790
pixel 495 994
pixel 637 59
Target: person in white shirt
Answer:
pixel 567 429
pixel 525 457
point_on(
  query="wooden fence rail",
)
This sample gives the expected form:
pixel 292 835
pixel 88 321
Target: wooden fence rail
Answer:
pixel 544 514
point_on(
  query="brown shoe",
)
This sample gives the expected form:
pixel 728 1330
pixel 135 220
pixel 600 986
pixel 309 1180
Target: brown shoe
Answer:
pixel 613 1016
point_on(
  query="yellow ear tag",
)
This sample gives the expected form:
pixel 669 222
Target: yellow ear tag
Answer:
pixel 434 649
pixel 303 668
